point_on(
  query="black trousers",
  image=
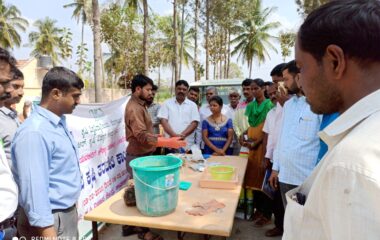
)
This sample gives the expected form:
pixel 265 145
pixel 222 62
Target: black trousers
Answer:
pixel 278 210
pixel 263 203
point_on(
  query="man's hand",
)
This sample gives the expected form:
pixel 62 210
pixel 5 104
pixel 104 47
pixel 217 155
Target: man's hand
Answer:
pixel 266 163
pixel 174 142
pixel 273 179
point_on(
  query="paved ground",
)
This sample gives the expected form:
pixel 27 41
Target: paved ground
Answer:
pixel 242 230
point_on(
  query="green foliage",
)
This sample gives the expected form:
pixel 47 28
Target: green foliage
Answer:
pixel 65 43
pixel 254 39
pixel 10 23
pixel 287 41
pixel 81 53
pixel 124 41
pixel 82 10
pixel 307 6
pixel 47 40
pixel 235 71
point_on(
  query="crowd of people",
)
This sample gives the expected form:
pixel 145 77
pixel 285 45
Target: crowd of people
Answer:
pixel 310 134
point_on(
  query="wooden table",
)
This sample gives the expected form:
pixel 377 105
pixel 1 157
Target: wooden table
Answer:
pixel 220 223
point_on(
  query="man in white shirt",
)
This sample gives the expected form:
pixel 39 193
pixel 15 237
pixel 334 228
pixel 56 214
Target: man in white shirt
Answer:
pixel 338 52
pixel 179 116
pixel 272 129
pixel 234 97
pixel 8 187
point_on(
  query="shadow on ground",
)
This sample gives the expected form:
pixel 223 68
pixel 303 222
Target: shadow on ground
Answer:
pixel 242 230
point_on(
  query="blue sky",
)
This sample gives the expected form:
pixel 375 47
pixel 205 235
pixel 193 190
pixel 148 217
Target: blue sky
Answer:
pixel 32 10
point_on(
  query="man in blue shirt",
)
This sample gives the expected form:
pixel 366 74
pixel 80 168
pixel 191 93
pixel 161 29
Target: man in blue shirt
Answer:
pixel 45 161
pixel 296 152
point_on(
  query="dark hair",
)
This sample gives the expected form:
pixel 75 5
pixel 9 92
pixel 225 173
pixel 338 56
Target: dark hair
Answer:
pixel 292 68
pixel 181 82
pixel 353 25
pixel 247 82
pixel 155 87
pixel 277 70
pixel 269 84
pixel 195 89
pixel 7 57
pixel 62 79
pixel 140 80
pixel 259 82
pixel 16 73
pixel 216 99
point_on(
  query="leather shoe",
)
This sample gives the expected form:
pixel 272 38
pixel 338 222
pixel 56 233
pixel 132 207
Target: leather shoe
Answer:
pixel 256 216
pixel 274 232
pixel 262 222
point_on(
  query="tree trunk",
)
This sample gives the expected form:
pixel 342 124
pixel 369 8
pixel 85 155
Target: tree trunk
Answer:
pixel 104 85
pixel 220 67
pixel 221 57
pixel 225 53
pixel 250 68
pixel 176 73
pixel 97 50
pixel 196 41
pixel 229 54
pixel 159 82
pixel 182 37
pixel 81 42
pixel 145 39
pixel 207 36
pixel 215 70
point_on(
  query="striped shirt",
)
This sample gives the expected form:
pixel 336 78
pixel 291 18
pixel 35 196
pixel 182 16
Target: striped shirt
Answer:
pixel 296 153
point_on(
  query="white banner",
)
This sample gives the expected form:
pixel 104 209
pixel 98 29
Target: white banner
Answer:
pixel 99 130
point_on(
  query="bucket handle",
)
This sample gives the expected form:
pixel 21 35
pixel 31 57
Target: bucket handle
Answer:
pixel 148 185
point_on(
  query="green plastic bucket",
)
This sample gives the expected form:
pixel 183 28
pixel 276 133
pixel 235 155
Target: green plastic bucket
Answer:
pixel 156 184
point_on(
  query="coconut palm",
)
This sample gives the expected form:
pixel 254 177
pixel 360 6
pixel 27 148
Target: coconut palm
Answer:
pixel 165 43
pixel 10 23
pixel 46 40
pixel 82 12
pixel 254 40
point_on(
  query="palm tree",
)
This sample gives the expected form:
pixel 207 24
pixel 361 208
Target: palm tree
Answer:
pixel 134 6
pixel 82 13
pixel 165 44
pixel 254 39
pixel 10 22
pixel 46 41
pixel 145 39
pixel 196 11
pixel 97 49
pixel 183 3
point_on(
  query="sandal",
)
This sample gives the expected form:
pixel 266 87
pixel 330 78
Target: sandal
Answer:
pixel 131 230
pixel 149 236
